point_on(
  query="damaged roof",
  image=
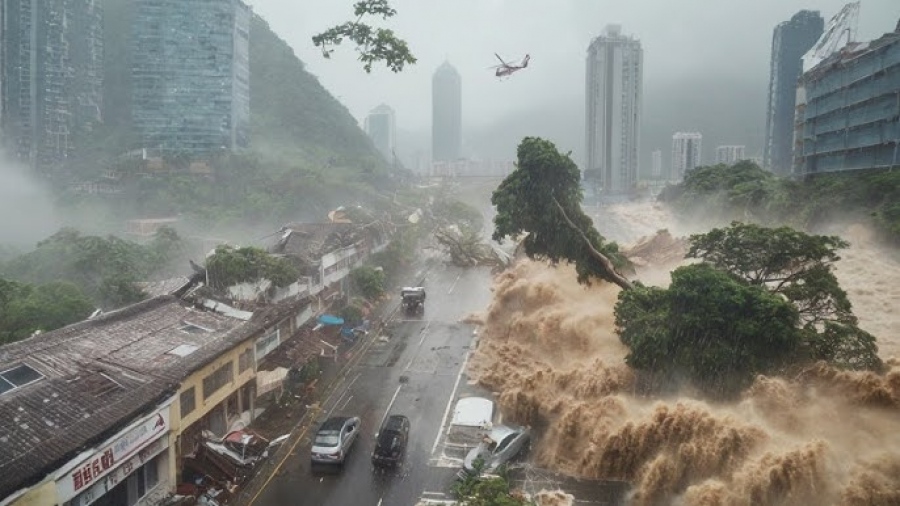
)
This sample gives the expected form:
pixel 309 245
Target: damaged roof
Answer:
pixel 310 241
pixel 64 391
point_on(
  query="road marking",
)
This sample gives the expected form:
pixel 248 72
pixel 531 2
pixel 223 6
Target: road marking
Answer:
pixel 379 501
pixel 453 286
pixel 346 402
pixel 424 333
pixel 345 392
pixel 388 410
pixel 462 371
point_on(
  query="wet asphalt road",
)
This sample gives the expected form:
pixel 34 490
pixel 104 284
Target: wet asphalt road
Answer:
pixel 414 373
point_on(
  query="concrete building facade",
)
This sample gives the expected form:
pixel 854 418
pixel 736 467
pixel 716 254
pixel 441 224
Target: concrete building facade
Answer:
pixel 446 109
pixel 686 149
pixel 191 75
pixel 381 126
pixel 656 168
pixel 613 94
pixel 729 155
pixel 790 41
pixel 848 108
pixel 51 65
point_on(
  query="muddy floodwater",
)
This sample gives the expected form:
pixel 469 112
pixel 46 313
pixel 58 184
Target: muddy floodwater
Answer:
pixel 549 350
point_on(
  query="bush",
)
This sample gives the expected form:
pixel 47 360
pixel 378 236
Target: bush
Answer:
pixel 369 281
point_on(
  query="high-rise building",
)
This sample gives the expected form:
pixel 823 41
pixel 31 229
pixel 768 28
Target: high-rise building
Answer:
pixel 847 109
pixel 613 109
pixel 729 155
pixel 656 171
pixel 381 127
pixel 446 110
pixel 790 41
pixel 686 148
pixel 51 73
pixel 191 75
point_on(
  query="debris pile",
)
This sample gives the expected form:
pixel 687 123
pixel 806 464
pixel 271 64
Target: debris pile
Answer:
pixel 466 248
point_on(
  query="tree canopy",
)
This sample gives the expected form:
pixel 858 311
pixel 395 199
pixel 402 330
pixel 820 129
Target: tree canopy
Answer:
pixel 104 268
pixel 25 309
pixel 763 299
pixel 372 44
pixel 229 266
pixel 541 200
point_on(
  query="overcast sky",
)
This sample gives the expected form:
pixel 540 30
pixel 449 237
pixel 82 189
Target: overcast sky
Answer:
pixel 682 39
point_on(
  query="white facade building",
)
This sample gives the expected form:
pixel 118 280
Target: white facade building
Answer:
pixel 613 109
pixel 381 126
pixel 686 148
pixel 730 155
pixel 657 164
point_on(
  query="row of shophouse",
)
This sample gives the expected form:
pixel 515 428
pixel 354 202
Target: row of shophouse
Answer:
pixel 110 411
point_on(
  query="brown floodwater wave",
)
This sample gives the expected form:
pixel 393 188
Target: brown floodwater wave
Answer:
pixel 549 351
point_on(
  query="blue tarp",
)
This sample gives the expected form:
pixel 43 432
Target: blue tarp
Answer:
pixel 327 319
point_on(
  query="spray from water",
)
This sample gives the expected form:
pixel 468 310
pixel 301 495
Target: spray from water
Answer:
pixel 549 350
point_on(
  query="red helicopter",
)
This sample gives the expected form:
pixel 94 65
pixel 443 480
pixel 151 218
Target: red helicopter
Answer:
pixel 507 69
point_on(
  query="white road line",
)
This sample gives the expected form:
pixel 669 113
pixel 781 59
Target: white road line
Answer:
pixel 462 370
pixel 424 333
pixel 388 409
pixel 345 392
pixel 453 286
pixel 346 402
pixel 379 501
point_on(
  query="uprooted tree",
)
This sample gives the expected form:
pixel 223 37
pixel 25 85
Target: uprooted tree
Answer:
pixel 541 200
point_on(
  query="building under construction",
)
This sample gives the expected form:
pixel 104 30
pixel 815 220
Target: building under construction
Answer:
pixel 51 74
pixel 848 107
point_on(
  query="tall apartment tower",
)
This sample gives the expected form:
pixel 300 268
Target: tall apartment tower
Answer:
pixel 730 155
pixel 656 171
pixel 446 110
pixel 686 149
pixel 381 127
pixel 51 67
pixel 613 109
pixel 790 41
pixel 191 75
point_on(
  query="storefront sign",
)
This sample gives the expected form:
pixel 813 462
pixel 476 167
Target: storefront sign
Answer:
pixel 118 474
pixel 113 456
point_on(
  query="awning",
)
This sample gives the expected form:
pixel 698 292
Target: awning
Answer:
pixel 327 319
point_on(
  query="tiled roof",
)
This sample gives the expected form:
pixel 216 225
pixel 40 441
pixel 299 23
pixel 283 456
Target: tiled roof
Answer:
pixel 101 373
pixel 310 241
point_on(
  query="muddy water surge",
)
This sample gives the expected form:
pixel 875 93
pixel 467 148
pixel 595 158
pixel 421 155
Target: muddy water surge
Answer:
pixel 549 350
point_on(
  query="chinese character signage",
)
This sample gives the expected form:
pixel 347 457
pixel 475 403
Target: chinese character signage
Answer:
pixel 113 455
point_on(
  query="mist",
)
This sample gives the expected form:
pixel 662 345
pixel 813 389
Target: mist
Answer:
pixel 27 211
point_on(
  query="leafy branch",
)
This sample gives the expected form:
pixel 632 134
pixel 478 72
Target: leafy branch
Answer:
pixel 372 44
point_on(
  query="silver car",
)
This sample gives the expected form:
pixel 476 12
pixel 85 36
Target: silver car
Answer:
pixel 334 439
pixel 497 448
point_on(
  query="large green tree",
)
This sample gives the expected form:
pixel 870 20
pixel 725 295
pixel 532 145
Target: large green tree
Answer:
pixel 708 327
pixel 541 200
pixel 800 268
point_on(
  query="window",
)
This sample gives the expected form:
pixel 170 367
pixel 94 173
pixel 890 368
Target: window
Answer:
pixel 245 360
pixel 18 376
pixel 266 344
pixel 218 379
pixel 188 401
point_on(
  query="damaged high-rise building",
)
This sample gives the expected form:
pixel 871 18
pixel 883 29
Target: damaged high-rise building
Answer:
pixel 190 73
pixel 51 77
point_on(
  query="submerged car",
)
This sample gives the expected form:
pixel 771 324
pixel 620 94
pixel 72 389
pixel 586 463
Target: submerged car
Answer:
pixel 497 448
pixel 334 439
pixel 390 443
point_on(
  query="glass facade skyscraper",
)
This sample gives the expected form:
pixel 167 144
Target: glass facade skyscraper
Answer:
pixel 51 75
pixel 446 120
pixel 191 75
pixel 790 41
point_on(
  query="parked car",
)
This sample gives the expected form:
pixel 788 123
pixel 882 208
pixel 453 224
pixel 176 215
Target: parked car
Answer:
pixel 334 439
pixel 497 448
pixel 390 442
